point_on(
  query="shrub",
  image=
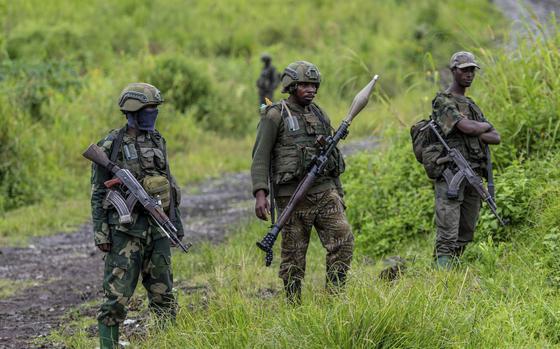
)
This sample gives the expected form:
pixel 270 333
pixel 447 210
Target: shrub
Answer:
pixel 182 83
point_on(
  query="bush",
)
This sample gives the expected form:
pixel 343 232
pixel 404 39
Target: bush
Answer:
pixel 33 86
pixel 389 198
pixel 183 84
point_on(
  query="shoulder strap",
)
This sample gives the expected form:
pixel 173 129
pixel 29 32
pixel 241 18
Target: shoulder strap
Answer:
pixel 160 141
pixel 116 146
pixel 319 113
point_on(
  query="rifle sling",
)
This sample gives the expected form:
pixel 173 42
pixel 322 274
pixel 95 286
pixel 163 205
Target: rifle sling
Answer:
pixel 116 146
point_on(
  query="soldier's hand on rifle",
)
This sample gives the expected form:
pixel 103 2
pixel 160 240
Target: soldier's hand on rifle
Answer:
pixel 262 206
pixel 104 247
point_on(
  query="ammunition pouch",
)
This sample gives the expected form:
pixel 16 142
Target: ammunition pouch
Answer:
pixel 291 163
pixel 336 165
pixel 158 187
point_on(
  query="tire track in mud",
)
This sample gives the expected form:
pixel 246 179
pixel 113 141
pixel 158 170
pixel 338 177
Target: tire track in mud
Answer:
pixel 66 269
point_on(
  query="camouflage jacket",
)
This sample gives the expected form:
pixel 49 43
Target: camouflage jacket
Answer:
pixel 448 109
pixel 146 157
pixel 288 147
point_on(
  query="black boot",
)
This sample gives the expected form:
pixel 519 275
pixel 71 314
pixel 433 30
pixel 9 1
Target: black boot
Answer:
pixel 293 291
pixel 335 281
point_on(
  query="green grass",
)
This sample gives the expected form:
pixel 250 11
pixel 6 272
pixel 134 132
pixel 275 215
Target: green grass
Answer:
pixel 499 298
pixel 10 287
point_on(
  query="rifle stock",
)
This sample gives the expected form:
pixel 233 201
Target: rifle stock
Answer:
pixel 358 104
pixel 95 154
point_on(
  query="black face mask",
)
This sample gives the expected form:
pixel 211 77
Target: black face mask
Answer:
pixel 144 119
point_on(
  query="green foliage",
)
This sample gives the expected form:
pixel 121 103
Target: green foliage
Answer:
pixel 64 65
pixel 389 198
pixel 185 85
pixel 524 102
pixel 32 86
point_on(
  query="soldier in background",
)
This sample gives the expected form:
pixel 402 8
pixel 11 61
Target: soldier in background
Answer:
pixel 268 80
pixel 139 248
pixel 465 128
pixel 286 141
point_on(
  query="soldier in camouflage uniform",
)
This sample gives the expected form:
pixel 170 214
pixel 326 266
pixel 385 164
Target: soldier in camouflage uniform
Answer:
pixel 465 128
pixel 285 141
pixel 137 248
pixel 268 80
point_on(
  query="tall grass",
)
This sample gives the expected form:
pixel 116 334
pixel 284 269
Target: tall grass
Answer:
pixel 500 298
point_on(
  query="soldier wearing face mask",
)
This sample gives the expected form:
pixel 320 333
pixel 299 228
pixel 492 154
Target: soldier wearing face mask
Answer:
pixel 138 248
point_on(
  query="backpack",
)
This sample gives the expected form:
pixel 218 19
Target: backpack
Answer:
pixel 427 149
pixel 421 138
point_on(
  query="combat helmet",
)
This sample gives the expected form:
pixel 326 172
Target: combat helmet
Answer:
pixel 137 95
pixel 300 71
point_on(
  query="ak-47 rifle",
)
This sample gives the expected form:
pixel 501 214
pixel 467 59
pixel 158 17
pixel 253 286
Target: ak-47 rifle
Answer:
pixel 464 172
pixel 317 167
pixel 136 194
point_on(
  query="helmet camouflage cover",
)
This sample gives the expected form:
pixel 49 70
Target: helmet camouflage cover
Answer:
pixel 300 71
pixel 137 95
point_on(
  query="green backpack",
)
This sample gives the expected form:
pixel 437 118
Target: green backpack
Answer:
pixel 427 148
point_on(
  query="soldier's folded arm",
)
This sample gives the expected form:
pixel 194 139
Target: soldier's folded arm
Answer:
pixel 491 137
pixel 472 127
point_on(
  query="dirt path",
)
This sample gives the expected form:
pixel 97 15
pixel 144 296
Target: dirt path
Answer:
pixel 67 268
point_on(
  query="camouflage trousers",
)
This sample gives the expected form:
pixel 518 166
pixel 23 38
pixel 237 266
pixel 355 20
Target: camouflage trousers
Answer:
pixel 455 219
pixel 325 212
pixel 129 258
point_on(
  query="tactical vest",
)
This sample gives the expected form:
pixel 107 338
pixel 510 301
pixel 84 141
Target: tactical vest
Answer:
pixel 470 146
pixel 145 157
pixel 295 148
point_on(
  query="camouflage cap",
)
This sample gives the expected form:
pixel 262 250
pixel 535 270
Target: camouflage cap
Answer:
pixel 300 71
pixel 463 59
pixel 137 95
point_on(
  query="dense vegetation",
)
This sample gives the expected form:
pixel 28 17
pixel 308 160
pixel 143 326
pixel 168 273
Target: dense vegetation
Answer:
pixel 64 64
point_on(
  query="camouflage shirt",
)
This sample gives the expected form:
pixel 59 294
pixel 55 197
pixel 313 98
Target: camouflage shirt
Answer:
pixel 448 110
pixel 148 159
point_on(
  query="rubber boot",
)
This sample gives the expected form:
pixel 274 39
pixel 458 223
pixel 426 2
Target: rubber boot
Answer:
pixel 293 291
pixel 108 336
pixel 444 262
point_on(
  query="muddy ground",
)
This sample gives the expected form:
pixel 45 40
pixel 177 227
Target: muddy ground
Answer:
pixel 66 269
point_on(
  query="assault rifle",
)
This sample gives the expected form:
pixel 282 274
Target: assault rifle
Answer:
pixel 317 167
pixel 136 193
pixel 464 172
